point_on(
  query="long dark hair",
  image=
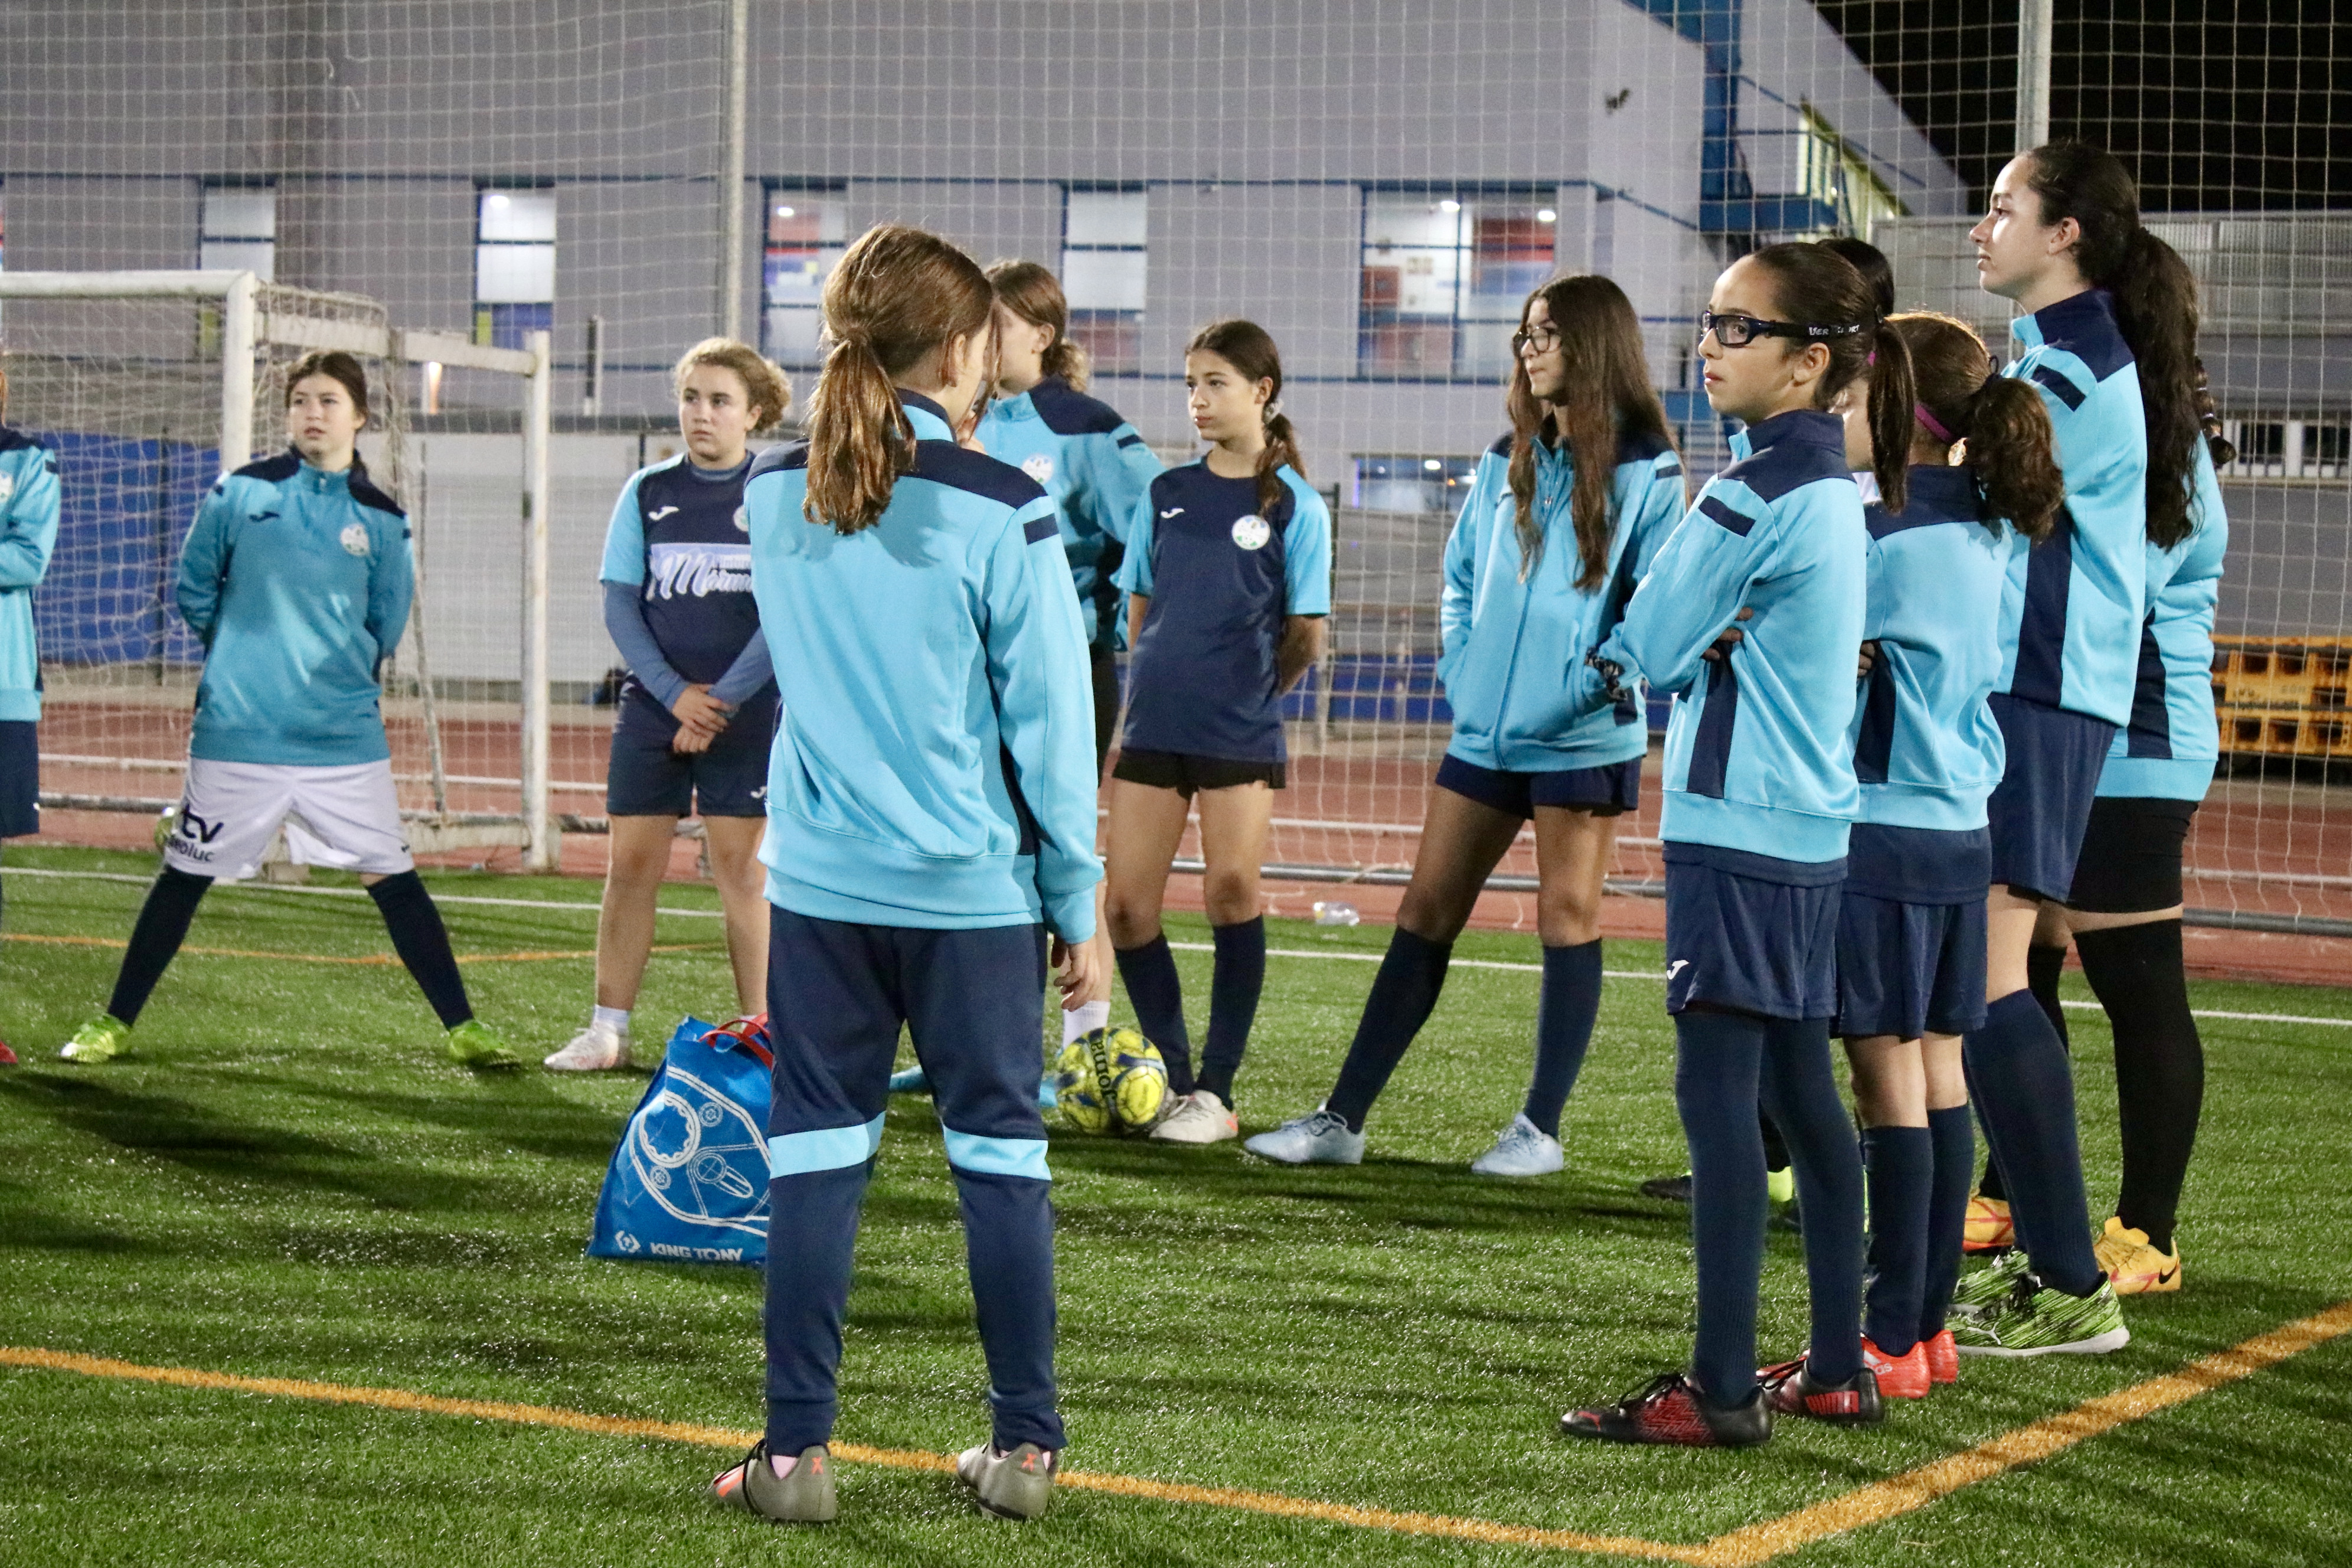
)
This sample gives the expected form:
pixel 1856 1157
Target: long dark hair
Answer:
pixel 1817 287
pixel 1608 396
pixel 897 295
pixel 2012 451
pixel 2156 306
pixel 1249 348
pixel 1031 292
pixel 1870 262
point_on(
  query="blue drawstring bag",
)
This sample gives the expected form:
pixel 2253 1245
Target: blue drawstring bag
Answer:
pixel 690 1182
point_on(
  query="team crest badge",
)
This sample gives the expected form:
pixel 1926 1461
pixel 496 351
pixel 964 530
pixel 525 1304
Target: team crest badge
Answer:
pixel 742 522
pixel 7 488
pixel 1039 468
pixel 355 538
pixel 1251 533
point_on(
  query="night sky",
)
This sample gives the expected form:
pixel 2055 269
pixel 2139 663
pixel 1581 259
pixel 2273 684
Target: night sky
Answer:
pixel 2215 107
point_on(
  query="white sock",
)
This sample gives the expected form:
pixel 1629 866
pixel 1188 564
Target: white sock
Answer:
pixel 614 1019
pixel 1085 1019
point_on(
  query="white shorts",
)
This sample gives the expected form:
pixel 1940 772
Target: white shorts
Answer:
pixel 347 817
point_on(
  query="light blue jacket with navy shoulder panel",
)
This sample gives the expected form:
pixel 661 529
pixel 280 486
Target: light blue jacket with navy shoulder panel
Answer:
pixel 1926 752
pixel 1510 643
pixel 935 765
pixel 1758 757
pixel 28 535
pixel 2168 750
pixel 2073 610
pixel 297 582
pixel 1096 469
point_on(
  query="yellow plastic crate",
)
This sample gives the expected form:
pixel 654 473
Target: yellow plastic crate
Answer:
pixel 2283 697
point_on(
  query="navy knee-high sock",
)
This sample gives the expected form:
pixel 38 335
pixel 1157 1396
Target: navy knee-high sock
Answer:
pixel 1406 988
pixel 1901 1166
pixel 1955 1141
pixel 2160 1064
pixel 1008 1227
pixel 2043 965
pixel 1235 987
pixel 162 927
pixel 1564 1015
pixel 1148 972
pixel 423 944
pixel 811 1233
pixel 1717 1059
pixel 2023 1088
pixel 1799 1089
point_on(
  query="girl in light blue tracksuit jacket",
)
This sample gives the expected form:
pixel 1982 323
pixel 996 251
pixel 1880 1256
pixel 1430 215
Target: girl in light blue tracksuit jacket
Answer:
pixel 28 532
pixel 1562 519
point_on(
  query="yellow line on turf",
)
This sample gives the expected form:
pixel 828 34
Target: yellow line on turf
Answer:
pixel 372 959
pixel 1755 1543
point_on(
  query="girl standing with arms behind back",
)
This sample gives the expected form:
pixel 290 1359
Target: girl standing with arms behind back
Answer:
pixel 1229 561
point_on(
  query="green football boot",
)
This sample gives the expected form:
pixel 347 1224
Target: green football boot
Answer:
pixel 2035 1318
pixel 1988 1286
pixel 473 1043
pixel 101 1040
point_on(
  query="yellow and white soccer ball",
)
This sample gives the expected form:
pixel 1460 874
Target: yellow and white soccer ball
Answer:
pixel 1110 1080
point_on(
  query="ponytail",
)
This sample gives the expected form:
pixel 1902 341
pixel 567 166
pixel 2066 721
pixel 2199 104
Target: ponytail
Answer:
pixel 1891 412
pixel 2012 450
pixel 1281 448
pixel 1068 361
pixel 2209 419
pixel 898 296
pixel 1816 287
pixel 1249 348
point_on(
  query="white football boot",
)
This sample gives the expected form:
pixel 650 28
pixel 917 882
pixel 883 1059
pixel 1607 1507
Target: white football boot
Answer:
pixel 1018 1485
pixel 1198 1118
pixel 1522 1149
pixel 598 1048
pixel 1320 1139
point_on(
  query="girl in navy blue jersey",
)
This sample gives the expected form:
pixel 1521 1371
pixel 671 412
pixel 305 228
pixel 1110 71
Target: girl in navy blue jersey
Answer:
pixel 699 705
pixel 1560 525
pixel 1229 563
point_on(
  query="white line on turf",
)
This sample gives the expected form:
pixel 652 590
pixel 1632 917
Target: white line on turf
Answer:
pixel 1178 946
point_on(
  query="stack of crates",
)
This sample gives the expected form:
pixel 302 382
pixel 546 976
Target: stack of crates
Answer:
pixel 2283 697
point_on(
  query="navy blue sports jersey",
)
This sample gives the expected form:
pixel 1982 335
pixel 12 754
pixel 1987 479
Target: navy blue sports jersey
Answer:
pixel 678 535
pixel 1221 579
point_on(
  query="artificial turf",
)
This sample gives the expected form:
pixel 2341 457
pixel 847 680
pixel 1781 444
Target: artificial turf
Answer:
pixel 285 1180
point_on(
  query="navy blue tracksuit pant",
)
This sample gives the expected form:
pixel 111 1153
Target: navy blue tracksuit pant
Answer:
pixel 837 994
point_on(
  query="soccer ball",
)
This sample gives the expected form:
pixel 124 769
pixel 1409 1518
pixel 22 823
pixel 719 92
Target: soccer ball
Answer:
pixel 1110 1080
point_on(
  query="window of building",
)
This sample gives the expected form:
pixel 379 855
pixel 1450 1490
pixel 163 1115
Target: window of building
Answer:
pixel 236 230
pixel 514 265
pixel 1104 263
pixel 1443 275
pixel 1835 173
pixel 807 231
pixel 1412 483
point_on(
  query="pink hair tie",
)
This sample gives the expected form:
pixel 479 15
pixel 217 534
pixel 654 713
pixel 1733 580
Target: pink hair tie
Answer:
pixel 1935 426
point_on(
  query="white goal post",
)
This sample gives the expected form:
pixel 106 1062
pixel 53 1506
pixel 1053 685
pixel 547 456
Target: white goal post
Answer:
pixel 246 317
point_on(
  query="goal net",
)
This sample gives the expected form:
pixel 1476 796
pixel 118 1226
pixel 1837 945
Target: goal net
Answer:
pixel 148 386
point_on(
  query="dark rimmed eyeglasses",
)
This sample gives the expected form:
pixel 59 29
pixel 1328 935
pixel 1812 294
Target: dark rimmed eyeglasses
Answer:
pixel 1735 332
pixel 1543 339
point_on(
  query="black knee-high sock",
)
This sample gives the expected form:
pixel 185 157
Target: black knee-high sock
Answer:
pixel 1775 1147
pixel 1955 1139
pixel 1564 1015
pixel 1900 1163
pixel 1719 1057
pixel 423 944
pixel 162 927
pixel 1799 1087
pixel 2023 1090
pixel 2160 1064
pixel 1235 987
pixel 1406 988
pixel 1148 972
pixel 2043 965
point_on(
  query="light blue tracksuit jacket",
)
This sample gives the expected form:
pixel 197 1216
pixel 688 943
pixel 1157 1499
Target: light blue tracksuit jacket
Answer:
pixel 28 534
pixel 2168 750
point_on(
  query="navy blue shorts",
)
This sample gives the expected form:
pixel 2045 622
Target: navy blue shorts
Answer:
pixel 645 778
pixel 20 777
pixel 2043 801
pixel 1611 790
pixel 1188 775
pixel 1906 970
pixel 1750 933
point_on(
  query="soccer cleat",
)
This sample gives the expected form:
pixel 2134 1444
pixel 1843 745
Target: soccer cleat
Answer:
pixel 1320 1138
pixel 2035 1318
pixel 911 1081
pixel 1789 1389
pixel 1673 1189
pixel 1522 1149
pixel 101 1040
pixel 1673 1409
pixel 1989 1285
pixel 7 1057
pixel 802 1495
pixel 1199 1117
pixel 1904 1376
pixel 1943 1357
pixel 474 1044
pixel 2133 1265
pixel 1989 1228
pixel 1018 1485
pixel 598 1048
